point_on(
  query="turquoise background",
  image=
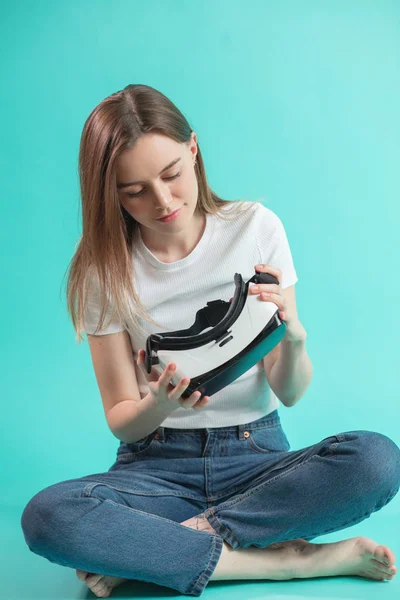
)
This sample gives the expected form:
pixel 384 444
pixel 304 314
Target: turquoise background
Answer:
pixel 296 103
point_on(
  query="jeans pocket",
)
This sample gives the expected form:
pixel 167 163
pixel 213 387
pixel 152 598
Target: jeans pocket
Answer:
pixel 270 438
pixel 128 452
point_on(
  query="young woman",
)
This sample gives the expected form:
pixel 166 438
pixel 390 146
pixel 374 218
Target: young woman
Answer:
pixel 205 488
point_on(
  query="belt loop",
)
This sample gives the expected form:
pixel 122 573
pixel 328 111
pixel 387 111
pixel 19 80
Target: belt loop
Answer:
pixel 241 429
pixel 160 434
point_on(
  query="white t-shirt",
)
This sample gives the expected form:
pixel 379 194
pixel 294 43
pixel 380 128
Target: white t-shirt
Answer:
pixel 173 292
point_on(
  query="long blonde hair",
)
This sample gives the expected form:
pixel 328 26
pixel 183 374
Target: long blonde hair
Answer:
pixel 104 251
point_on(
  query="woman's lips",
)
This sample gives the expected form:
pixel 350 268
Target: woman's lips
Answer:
pixel 170 217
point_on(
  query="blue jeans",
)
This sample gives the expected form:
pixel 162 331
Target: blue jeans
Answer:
pixel 251 488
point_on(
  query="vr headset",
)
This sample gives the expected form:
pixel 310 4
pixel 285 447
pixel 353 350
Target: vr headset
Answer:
pixel 225 340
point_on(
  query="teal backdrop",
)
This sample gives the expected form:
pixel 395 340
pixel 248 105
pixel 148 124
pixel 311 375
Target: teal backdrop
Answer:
pixel 294 103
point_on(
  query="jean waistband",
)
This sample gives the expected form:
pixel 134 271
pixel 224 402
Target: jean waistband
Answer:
pixel 272 418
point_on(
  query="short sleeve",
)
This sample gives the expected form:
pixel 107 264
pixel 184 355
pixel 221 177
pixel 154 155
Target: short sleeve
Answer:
pixel 91 317
pixel 273 245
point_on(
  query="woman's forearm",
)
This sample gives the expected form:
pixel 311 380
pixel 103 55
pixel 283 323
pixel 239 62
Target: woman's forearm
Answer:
pixel 291 374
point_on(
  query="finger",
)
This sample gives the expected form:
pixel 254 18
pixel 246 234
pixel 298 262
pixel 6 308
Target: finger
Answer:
pixel 265 287
pixel 168 373
pixel 154 375
pixel 194 401
pixel 201 403
pixel 268 269
pixel 275 298
pixel 179 389
pixel 191 401
pixel 140 359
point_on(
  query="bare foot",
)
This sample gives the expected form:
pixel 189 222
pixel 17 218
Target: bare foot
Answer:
pixel 199 523
pixel 359 556
pixel 101 585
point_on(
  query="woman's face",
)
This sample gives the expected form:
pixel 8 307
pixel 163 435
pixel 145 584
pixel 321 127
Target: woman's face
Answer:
pixel 152 194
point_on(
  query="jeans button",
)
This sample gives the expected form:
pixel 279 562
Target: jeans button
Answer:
pixel 246 434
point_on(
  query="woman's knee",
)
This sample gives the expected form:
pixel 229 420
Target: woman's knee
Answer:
pixel 42 517
pixel 35 516
pixel 378 459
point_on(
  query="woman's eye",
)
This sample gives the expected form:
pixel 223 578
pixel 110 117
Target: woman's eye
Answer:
pixel 141 192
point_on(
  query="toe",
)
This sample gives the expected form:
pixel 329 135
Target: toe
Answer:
pixel 101 590
pixel 384 555
pixel 382 568
pixel 92 580
pixel 81 574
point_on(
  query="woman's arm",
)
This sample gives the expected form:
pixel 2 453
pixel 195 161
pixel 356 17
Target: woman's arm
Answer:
pixel 291 374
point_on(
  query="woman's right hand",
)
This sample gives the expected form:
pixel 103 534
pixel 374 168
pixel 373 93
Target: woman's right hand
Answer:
pixel 164 392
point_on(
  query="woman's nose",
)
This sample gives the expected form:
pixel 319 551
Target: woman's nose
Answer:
pixel 161 199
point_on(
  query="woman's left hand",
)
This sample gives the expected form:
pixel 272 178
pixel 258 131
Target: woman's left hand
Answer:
pixel 272 292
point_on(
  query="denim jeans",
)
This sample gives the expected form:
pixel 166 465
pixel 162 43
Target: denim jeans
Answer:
pixel 252 489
